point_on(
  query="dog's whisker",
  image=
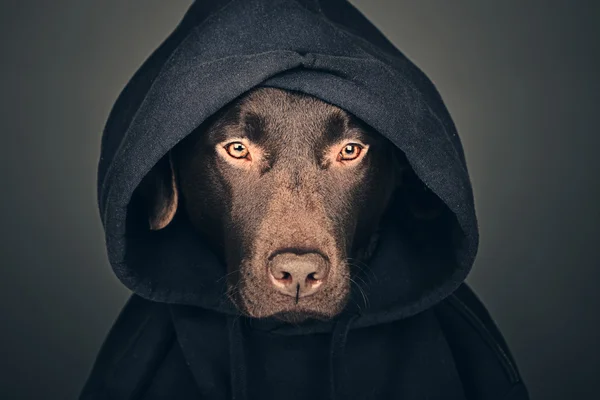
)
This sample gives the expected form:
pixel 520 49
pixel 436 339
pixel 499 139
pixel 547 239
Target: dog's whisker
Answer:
pixel 360 308
pixel 359 264
pixel 365 279
pixel 362 268
pixel 364 282
pixel 226 275
pixel 364 296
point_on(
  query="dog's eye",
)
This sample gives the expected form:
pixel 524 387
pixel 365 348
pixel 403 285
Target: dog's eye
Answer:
pixel 237 150
pixel 351 151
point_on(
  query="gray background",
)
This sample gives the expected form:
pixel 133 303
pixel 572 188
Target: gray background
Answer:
pixel 519 78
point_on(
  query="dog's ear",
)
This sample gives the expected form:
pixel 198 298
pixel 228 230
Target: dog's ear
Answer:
pixel 421 201
pixel 159 192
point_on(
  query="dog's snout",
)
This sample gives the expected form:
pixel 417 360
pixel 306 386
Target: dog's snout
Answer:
pixel 298 275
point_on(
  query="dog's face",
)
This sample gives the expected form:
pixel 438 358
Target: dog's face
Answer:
pixel 288 190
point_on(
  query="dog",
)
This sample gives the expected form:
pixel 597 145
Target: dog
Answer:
pixel 289 192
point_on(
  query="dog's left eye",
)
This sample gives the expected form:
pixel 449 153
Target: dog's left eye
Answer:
pixel 351 151
pixel 237 150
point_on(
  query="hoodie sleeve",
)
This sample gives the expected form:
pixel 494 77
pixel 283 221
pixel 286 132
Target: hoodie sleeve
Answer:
pixel 483 359
pixel 132 352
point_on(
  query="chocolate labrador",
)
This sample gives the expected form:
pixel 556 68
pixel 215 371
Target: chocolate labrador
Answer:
pixel 289 191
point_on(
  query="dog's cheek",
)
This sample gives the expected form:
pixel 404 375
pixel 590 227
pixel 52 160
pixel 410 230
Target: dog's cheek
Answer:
pixel 251 295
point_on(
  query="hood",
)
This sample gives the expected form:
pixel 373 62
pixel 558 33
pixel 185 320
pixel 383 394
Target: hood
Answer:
pixel 327 49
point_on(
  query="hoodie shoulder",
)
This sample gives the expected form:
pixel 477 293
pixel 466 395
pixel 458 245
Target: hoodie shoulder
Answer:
pixel 483 359
pixel 135 347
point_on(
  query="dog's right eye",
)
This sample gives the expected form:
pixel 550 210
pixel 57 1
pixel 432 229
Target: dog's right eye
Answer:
pixel 237 150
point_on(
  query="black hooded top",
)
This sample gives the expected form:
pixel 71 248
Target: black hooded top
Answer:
pixel 421 334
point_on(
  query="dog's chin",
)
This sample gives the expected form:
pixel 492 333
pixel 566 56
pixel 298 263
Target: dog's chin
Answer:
pixel 285 309
pixel 297 317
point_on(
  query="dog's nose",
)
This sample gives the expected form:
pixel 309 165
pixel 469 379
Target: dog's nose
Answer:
pixel 298 275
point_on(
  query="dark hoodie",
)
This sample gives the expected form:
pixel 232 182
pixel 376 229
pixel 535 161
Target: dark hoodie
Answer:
pixel 420 334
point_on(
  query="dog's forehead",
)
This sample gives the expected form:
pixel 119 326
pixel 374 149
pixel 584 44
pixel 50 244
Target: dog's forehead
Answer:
pixel 280 120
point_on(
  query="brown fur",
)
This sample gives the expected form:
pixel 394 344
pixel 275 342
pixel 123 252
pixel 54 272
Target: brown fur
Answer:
pixel 293 195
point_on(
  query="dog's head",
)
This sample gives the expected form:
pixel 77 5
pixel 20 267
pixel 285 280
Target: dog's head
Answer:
pixel 288 190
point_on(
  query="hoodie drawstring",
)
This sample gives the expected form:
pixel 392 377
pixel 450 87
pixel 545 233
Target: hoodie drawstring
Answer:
pixel 237 362
pixel 336 352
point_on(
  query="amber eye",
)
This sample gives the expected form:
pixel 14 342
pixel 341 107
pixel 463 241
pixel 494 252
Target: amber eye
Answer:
pixel 350 152
pixel 237 150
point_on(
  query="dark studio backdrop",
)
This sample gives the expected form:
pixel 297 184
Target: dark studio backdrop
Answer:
pixel 519 78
